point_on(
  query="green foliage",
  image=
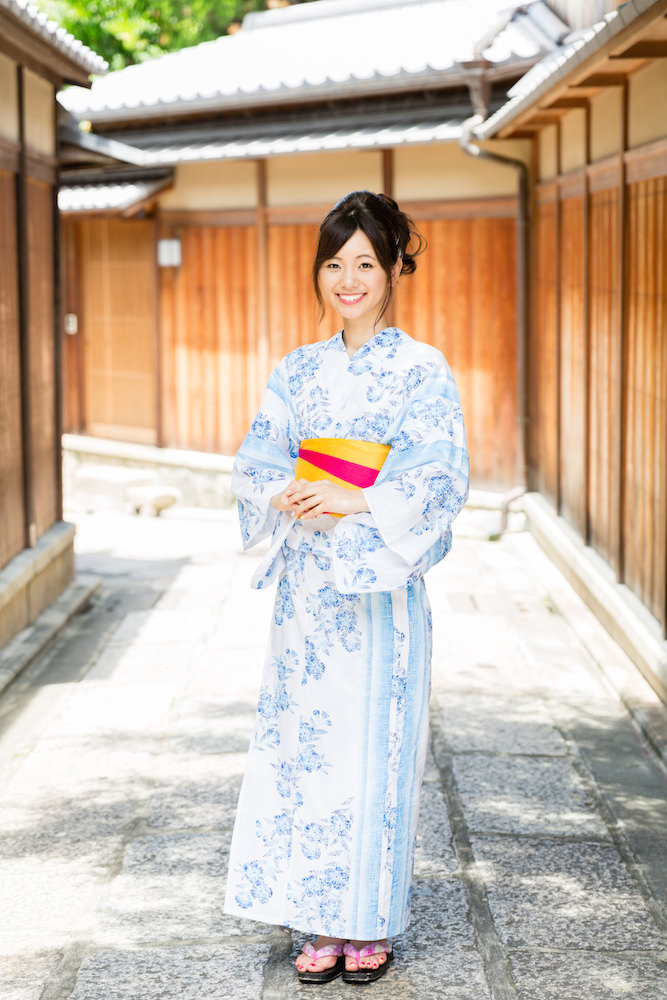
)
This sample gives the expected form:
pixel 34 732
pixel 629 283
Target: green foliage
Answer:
pixel 130 31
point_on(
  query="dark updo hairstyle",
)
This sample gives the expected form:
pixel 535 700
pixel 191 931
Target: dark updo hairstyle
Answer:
pixel 391 233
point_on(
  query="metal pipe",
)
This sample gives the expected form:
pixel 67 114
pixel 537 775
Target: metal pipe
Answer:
pixel 523 222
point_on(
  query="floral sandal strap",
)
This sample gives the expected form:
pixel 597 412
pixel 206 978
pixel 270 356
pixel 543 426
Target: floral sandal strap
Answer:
pixel 378 948
pixel 328 949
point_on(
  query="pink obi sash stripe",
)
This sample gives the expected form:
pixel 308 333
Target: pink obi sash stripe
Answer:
pixel 350 463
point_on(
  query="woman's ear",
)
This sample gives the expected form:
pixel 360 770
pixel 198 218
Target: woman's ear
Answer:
pixel 396 271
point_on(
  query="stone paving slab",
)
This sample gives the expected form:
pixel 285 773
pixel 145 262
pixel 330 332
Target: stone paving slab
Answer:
pixel 586 976
pixel 193 973
pixel 526 795
pixel 116 805
pixel 499 724
pixel 577 895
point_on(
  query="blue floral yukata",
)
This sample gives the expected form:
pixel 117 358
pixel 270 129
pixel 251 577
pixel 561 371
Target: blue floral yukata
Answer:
pixel 325 829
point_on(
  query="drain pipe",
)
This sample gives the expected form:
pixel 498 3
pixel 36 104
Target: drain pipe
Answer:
pixel 469 146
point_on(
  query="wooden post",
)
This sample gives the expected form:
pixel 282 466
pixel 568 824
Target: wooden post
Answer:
pixel 588 249
pixel 263 333
pixel 157 339
pixel 558 324
pixel 622 408
pixel 388 172
pixel 30 526
pixel 58 332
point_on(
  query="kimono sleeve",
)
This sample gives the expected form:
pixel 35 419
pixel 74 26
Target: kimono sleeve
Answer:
pixel 264 464
pixel 422 486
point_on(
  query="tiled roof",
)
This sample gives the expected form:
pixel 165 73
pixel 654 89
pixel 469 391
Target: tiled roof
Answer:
pixel 119 198
pixel 330 48
pixel 561 62
pixel 56 36
pixel 307 142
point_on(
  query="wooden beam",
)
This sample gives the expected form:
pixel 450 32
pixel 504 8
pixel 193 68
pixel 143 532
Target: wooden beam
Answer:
pixel 565 103
pixel 644 49
pixel 601 80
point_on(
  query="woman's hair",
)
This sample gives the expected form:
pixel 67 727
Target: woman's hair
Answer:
pixel 391 233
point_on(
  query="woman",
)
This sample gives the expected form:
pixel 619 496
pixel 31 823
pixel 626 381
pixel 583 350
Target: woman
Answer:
pixel 325 829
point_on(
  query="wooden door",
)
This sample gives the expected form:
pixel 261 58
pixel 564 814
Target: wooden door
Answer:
pixel 118 323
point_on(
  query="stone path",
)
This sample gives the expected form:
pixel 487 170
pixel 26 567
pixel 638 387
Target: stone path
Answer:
pixel 540 870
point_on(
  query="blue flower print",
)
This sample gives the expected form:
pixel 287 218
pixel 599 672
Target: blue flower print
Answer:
pixel 267 706
pixel 314 666
pixel 265 428
pixel 284 607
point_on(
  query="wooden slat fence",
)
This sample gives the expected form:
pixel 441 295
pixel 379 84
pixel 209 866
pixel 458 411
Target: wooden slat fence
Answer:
pixel 602 319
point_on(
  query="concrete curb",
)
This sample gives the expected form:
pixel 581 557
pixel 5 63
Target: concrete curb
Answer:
pixel 26 646
pixel 623 616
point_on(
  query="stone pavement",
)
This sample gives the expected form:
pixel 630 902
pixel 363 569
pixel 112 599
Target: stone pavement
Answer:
pixel 540 869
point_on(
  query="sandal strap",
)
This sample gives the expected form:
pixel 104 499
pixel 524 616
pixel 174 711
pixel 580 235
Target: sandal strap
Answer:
pixel 370 949
pixel 324 952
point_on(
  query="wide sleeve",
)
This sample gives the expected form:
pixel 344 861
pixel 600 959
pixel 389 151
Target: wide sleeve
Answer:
pixel 264 464
pixel 421 488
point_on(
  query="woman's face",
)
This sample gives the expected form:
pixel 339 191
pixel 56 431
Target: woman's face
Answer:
pixel 354 283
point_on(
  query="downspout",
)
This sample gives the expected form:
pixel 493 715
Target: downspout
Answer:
pixel 480 95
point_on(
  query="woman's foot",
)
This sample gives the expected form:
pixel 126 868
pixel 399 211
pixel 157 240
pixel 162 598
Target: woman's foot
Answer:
pixel 310 962
pixel 366 961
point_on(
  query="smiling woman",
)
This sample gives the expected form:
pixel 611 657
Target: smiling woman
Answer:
pixel 326 824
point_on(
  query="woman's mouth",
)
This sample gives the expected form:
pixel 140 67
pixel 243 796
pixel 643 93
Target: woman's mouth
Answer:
pixel 349 300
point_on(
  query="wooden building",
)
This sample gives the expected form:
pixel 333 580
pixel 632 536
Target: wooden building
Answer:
pixel 36 557
pixel 597 443
pixel 545 283
pixel 238 165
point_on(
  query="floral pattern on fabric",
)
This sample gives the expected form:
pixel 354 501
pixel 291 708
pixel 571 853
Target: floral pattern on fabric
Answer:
pixel 325 829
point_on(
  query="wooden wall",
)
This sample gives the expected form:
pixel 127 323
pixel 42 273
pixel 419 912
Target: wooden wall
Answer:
pixel 599 363
pixel 118 322
pixel 214 351
pixel 12 517
pixel 462 299
pixel 30 501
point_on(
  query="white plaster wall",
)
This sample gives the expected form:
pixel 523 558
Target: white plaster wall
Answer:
pixel 548 152
pixel 573 140
pixel 215 185
pixel 314 178
pixel 648 104
pixel 606 123
pixel 9 119
pixel 444 171
pixel 39 114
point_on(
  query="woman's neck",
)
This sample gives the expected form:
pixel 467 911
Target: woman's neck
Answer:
pixel 355 337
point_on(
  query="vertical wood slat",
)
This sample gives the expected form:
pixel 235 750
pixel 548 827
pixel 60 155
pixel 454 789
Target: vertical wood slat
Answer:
pixel 605 373
pixel 118 317
pixel 573 383
pixel 645 492
pixel 42 354
pixel 210 338
pixel 544 404
pixel 12 521
pixel 462 299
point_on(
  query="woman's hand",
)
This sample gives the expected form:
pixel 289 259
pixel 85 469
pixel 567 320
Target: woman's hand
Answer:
pixel 310 499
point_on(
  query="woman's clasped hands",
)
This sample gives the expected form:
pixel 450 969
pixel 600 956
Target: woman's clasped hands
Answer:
pixel 307 499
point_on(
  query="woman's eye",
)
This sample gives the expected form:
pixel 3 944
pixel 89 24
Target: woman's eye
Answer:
pixel 366 264
pixel 331 266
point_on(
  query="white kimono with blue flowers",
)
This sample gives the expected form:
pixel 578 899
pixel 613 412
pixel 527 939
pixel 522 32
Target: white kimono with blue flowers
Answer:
pixel 326 822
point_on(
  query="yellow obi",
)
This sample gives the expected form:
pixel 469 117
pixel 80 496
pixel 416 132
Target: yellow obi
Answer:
pixel 349 463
